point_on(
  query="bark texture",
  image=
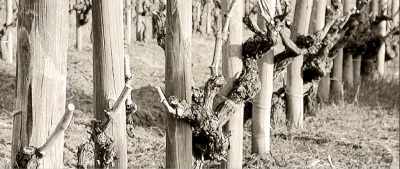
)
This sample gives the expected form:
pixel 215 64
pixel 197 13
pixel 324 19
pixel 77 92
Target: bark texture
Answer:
pixel 108 79
pixel 178 80
pixel 41 77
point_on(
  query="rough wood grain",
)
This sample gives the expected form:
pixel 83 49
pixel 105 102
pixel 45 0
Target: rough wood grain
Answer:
pixel 31 157
pixel 41 77
pixel 108 69
pixel 178 80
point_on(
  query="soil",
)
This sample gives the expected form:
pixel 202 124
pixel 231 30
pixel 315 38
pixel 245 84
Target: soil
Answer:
pixel 359 134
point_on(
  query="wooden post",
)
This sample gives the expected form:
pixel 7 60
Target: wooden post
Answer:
pixel 294 90
pixel 357 70
pixel 78 29
pixel 9 20
pixel 382 26
pixel 336 92
pixel 108 72
pixel 178 80
pixel 357 59
pixel 262 102
pixel 348 57
pixel 128 14
pixel 347 70
pixel 318 22
pixel 231 69
pixel 309 11
pixel 41 77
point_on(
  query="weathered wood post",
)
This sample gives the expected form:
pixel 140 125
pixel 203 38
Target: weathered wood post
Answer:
pixel 178 80
pixel 262 102
pixel 347 56
pixel 232 67
pixel 108 72
pixel 357 61
pixel 41 77
pixel 336 91
pixel 294 89
pixel 382 31
pixel 128 28
pixel 336 88
pixel 318 23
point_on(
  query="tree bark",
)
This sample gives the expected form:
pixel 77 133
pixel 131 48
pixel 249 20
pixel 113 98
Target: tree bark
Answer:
pixel 232 67
pixel 128 29
pixel 294 90
pixel 178 80
pixel 382 26
pixel 41 77
pixel 108 69
pixel 262 102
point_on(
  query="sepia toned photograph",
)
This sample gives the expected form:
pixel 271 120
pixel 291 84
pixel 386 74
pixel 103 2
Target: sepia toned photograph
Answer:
pixel 196 84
